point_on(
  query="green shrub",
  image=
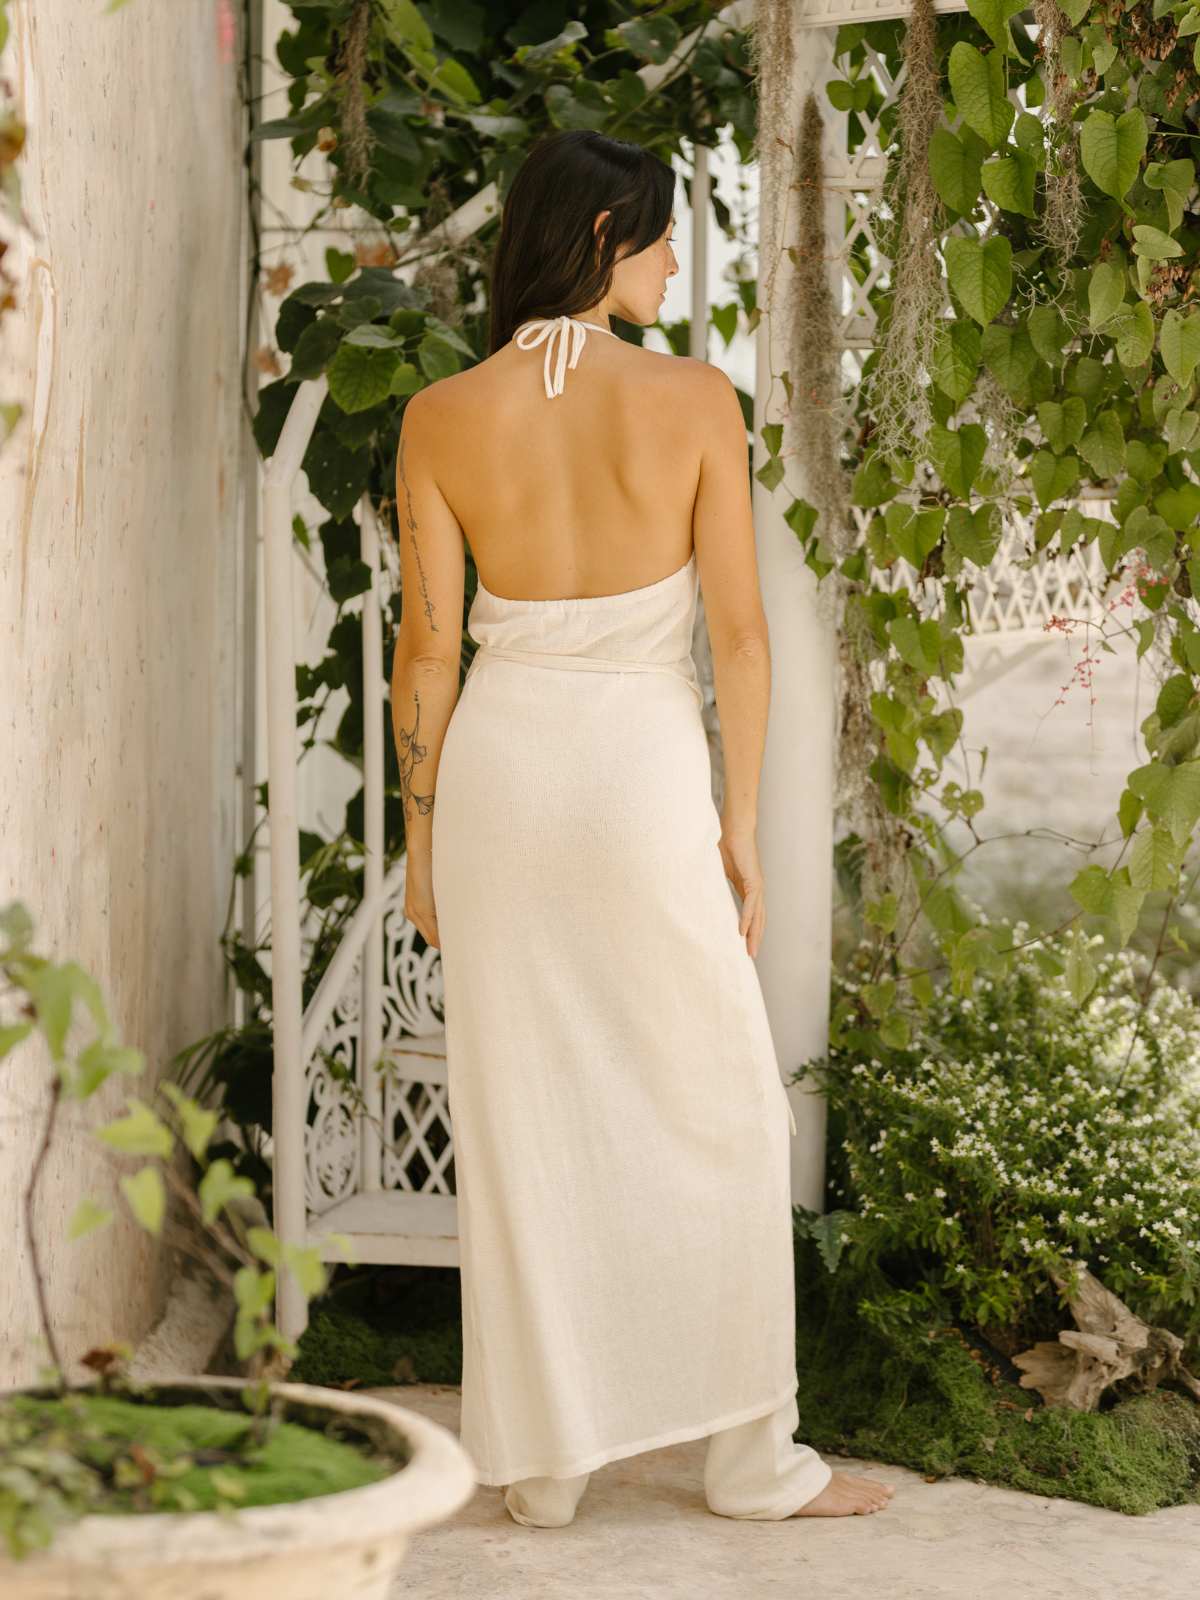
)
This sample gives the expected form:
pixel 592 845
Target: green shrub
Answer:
pixel 1018 1134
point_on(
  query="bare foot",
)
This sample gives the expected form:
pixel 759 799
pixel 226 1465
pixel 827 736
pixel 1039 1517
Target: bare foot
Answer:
pixel 847 1495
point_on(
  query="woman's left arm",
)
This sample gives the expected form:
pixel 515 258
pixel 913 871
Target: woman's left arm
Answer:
pixel 424 684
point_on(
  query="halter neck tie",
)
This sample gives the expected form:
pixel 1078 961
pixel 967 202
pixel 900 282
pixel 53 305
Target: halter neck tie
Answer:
pixel 532 332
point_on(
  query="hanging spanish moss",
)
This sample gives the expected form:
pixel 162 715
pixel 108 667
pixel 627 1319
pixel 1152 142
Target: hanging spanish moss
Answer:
pixel 899 387
pixel 815 415
pixel 1059 222
pixel 354 136
pixel 771 59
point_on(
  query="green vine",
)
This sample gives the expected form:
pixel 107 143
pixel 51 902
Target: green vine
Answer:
pixel 1062 374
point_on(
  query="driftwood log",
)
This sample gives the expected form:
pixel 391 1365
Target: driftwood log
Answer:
pixel 1108 1345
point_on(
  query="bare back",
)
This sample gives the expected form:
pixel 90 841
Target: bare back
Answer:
pixel 589 493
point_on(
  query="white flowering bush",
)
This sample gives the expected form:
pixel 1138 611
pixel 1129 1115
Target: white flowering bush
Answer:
pixel 1020 1133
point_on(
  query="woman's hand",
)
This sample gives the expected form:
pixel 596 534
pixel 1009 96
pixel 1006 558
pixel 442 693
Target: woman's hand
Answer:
pixel 418 896
pixel 739 857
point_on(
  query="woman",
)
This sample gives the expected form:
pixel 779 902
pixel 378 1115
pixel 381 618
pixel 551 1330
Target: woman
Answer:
pixel 620 1126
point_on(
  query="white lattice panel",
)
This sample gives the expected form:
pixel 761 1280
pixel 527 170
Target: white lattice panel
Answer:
pixel 832 13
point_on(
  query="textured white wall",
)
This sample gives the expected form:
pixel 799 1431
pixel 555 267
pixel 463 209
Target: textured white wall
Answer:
pixel 120 519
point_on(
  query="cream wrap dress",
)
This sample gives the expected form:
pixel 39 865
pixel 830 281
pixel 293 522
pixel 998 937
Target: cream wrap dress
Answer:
pixel 620 1126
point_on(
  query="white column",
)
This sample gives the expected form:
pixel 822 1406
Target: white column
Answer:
pixel 795 827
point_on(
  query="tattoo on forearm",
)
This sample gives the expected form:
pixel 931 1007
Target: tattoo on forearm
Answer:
pixel 411 756
pixel 412 534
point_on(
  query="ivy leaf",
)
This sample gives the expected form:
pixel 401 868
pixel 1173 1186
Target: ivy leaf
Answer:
pixel 873 484
pixel 1048 331
pixel 975 535
pixel 219 1185
pixel 138 1134
pixel 956 358
pixel 147 1197
pixel 1081 971
pixel 957 455
pixel 1062 422
pixel 980 273
pixel 86 1217
pixel 1103 445
pixel 1132 330
pixel 1154 244
pixel 360 378
pixel 1153 860
pixel 1129 811
pixel 992 16
pixel 1172 795
pixel 1145 461
pixel 650 38
pixel 1179 341
pixel 978 84
pixel 1179 506
pixel 1008 353
pixel 914 533
pixel 1009 181
pixel 1111 149
pixel 954 166
pixel 1075 10
pixel 1053 477
pixel 1106 292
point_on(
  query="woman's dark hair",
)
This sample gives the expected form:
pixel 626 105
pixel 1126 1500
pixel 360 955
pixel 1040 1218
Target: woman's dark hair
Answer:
pixel 546 262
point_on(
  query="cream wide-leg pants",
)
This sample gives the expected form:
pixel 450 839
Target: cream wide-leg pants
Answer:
pixel 752 1470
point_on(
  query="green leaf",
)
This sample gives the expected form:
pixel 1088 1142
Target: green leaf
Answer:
pixel 1179 507
pixel 651 38
pixel 219 1185
pixel 405 25
pixel 359 378
pixel 306 1266
pixel 197 1121
pixel 1008 183
pixel 956 358
pixel 1111 149
pixel 86 1218
pixel 1132 330
pixel 1103 445
pixel 1081 973
pixel 1049 333
pixel 1129 811
pixel 954 166
pixel 992 16
pixel 147 1197
pixel 1172 795
pixel 976 536
pixel 978 84
pixel 829 1232
pixel 980 273
pixel 957 455
pixel 1053 477
pixel 914 533
pixel 138 1134
pixel 1106 291
pixel 1009 355
pixel 11 1035
pixel 1154 244
pixel 1075 10
pixel 1154 859
pixel 1179 341
pixel 1062 422
pixel 872 483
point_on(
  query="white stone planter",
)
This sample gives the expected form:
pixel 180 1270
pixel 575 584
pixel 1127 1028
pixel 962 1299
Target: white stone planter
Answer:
pixel 346 1545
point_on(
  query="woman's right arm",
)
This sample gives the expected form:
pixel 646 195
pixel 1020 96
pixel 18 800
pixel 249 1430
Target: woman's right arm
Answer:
pixel 723 531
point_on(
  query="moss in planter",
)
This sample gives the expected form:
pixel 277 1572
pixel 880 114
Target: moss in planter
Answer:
pixel 144 1457
pixel 932 1403
pixel 384 1326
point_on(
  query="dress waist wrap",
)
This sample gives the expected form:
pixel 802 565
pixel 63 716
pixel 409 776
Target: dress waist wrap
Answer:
pixel 684 667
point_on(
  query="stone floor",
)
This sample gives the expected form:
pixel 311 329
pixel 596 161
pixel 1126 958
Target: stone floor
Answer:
pixel 643 1532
